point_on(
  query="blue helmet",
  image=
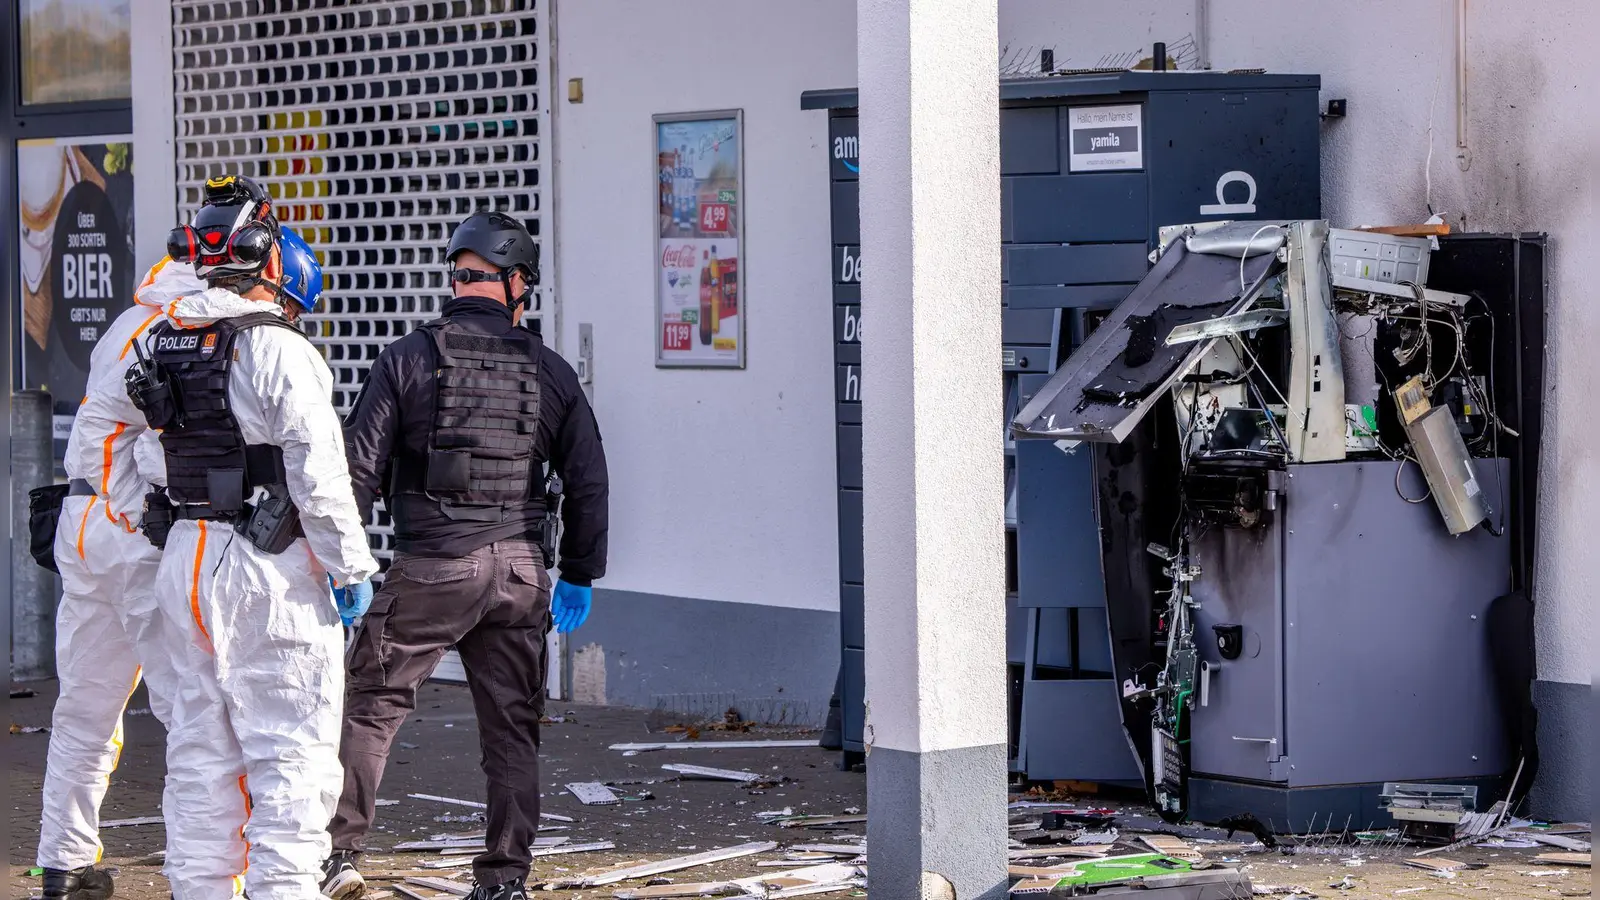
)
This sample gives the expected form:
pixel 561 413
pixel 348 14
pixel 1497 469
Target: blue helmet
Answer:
pixel 302 274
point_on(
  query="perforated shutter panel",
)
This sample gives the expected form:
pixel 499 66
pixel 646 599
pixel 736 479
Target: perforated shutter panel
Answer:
pixel 377 126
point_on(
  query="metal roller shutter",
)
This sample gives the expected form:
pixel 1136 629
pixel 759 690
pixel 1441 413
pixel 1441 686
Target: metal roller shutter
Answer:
pixel 377 126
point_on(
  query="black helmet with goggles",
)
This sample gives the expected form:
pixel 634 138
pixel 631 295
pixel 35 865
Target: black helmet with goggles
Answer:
pixel 232 234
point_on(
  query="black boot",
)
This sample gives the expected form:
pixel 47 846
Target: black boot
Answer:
pixel 340 880
pixel 87 883
pixel 516 889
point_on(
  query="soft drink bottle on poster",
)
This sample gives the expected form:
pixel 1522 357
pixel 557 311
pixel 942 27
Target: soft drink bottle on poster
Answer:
pixel 677 188
pixel 716 293
pixel 668 200
pixel 705 298
pixel 685 188
pixel 729 275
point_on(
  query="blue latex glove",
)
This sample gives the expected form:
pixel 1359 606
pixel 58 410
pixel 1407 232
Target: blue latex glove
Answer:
pixel 569 606
pixel 353 601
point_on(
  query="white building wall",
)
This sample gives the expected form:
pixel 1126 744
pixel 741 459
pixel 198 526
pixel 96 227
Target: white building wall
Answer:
pixel 722 481
pixel 760 526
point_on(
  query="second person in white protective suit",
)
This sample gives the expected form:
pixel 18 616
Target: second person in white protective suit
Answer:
pixel 109 631
pixel 262 515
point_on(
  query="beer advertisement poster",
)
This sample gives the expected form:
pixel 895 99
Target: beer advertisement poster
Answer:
pixel 700 184
pixel 76 199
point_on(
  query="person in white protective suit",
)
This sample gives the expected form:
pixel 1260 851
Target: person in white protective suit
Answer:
pixel 109 631
pixel 262 515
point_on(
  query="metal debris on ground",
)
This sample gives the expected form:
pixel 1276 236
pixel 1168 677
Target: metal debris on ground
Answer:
pixel 715 745
pixel 437 844
pixel 1556 840
pixel 830 849
pixel 31 729
pixel 1053 851
pixel 714 774
pixel 475 847
pixel 819 821
pixel 645 870
pixel 1440 865
pixel 476 805
pixel 806 882
pixel 1565 859
pixel 451 800
pixel 593 847
pixel 593 793
pixel 440 884
pixel 1435 813
pixel 471 817
pixel 124 823
pixel 1171 846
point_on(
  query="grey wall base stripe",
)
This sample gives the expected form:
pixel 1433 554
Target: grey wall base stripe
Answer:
pixel 693 656
pixel 959 797
pixel 1565 783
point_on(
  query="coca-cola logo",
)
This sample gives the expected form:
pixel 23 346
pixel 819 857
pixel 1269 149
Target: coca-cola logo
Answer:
pixel 681 257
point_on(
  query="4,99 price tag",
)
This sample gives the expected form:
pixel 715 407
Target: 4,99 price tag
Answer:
pixel 714 217
pixel 676 336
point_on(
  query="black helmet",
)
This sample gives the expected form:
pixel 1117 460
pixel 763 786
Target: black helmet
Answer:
pixel 505 243
pixel 498 238
pixel 233 233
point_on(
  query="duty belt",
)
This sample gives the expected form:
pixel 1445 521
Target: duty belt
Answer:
pixel 196 512
pixel 77 487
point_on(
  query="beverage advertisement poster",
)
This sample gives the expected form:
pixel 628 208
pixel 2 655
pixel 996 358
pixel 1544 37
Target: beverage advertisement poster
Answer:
pixel 76 204
pixel 699 169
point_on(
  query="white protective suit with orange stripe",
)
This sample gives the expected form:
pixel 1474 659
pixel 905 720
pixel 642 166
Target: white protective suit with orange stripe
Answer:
pixel 255 737
pixel 108 627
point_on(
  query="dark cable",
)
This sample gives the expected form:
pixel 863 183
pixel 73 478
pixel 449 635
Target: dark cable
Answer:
pixel 1401 468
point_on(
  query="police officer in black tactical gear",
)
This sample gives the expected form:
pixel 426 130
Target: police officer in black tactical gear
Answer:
pixel 461 428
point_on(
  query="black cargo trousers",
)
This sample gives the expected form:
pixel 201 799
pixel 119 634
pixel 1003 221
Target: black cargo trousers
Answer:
pixel 494 607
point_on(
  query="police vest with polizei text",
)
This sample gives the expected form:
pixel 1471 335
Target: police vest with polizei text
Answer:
pixel 208 444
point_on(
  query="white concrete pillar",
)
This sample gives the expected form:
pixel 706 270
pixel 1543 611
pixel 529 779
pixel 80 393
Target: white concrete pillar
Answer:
pixel 155 193
pixel 933 448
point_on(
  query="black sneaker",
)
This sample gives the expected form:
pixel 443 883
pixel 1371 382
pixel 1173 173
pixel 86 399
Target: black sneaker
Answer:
pixel 516 889
pixel 340 880
pixel 87 883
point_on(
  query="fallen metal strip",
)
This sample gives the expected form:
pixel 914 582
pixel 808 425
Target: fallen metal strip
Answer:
pixel 716 745
pixel 714 774
pixel 440 884
pixel 646 870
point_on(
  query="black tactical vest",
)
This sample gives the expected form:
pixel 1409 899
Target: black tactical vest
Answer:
pixel 481 449
pixel 209 466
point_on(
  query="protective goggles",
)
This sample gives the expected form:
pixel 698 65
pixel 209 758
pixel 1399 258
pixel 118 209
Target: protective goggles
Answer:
pixel 246 249
pixel 470 276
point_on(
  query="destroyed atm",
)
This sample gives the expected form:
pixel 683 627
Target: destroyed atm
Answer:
pixel 1323 449
pixel 1092 165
